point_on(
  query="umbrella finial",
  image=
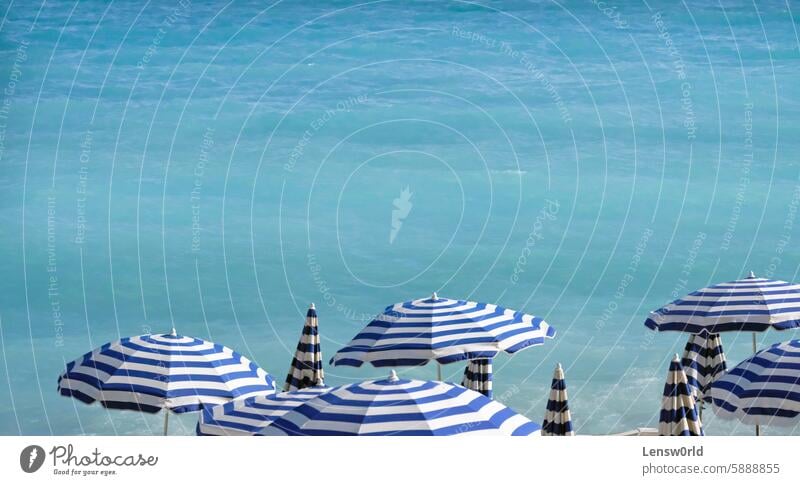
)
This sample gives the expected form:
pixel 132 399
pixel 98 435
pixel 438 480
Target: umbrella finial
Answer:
pixel 311 307
pixel 173 332
pixel 751 275
pixel 434 296
pixel 676 358
pixel 558 366
pixel 393 376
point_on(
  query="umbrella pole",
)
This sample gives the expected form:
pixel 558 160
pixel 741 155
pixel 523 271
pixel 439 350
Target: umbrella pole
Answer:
pixel 755 349
pixel 166 421
pixel 438 371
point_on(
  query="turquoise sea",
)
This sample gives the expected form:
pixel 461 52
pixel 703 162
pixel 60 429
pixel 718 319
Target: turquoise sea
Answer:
pixel 218 166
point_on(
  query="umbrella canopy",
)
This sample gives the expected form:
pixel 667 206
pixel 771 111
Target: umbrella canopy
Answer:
pixel 246 417
pixel 151 372
pixel 557 419
pixel 678 409
pixel 441 329
pixel 703 361
pixel 478 376
pixel 750 304
pixel 396 406
pixel 762 390
pixel 306 369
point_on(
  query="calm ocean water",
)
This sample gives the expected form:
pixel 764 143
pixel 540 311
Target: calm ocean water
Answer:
pixel 219 167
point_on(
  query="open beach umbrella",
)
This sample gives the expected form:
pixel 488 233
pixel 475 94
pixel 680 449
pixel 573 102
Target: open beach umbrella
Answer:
pixel 678 415
pixel 149 373
pixel 749 304
pixel 762 390
pixel 416 332
pixel 703 361
pixel 478 376
pixel 403 407
pixel 306 369
pixel 557 419
pixel 247 416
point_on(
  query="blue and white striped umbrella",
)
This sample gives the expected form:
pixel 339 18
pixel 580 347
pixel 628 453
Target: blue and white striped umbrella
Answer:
pixel 306 369
pixel 478 376
pixel 416 332
pixel 703 361
pixel 406 407
pixel 248 416
pixel 762 390
pixel 750 304
pixel 679 416
pixel 558 419
pixel 152 372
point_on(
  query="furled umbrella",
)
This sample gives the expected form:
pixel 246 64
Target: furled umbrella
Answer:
pixel 703 361
pixel 478 376
pixel 402 407
pixel 678 415
pixel 173 372
pixel 444 330
pixel 557 418
pixel 248 416
pixel 762 390
pixel 306 369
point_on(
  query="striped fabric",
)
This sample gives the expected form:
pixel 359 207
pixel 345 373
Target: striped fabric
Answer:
pixel 396 406
pixel 679 415
pixel 416 332
pixel 750 304
pixel 246 417
pixel 557 419
pixel 703 361
pixel 762 390
pixel 151 372
pixel 478 376
pixel 306 369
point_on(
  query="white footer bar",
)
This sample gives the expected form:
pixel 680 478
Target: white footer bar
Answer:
pixel 399 460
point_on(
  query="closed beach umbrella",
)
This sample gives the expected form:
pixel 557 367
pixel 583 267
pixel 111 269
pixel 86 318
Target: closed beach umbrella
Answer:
pixel 306 369
pixel 678 409
pixel 404 407
pixel 247 416
pixel 762 390
pixel 478 376
pixel 703 361
pixel 153 372
pixel 416 332
pixel 557 419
